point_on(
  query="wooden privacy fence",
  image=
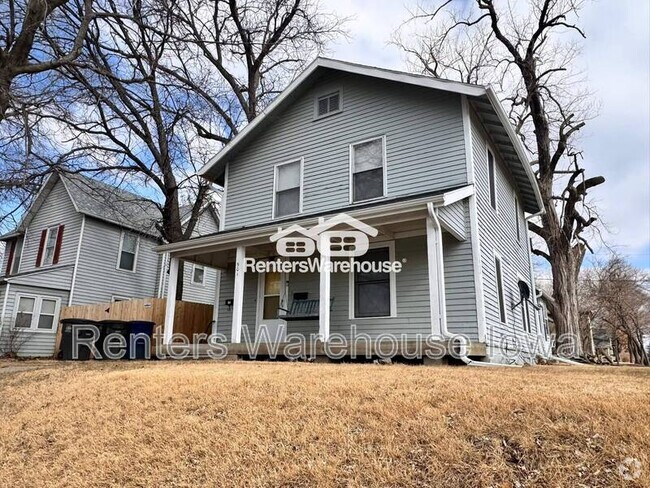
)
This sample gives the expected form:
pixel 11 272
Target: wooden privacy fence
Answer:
pixel 190 318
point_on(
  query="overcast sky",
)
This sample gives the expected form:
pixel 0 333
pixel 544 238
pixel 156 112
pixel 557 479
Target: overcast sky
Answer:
pixel 616 144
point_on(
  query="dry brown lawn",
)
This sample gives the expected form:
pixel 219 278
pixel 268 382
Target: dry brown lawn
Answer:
pixel 281 424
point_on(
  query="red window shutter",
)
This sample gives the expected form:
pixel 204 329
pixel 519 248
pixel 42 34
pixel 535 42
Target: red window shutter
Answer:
pixel 41 246
pixel 57 247
pixel 10 259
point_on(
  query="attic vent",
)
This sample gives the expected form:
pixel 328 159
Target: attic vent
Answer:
pixel 328 104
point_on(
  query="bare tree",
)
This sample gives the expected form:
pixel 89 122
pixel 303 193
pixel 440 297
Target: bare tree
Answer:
pixel 617 299
pixel 24 27
pixel 145 103
pixel 528 54
pixel 238 55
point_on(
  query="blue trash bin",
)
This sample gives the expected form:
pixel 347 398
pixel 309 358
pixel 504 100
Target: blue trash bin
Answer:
pixel 140 351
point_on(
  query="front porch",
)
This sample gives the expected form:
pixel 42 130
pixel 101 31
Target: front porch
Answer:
pixel 432 296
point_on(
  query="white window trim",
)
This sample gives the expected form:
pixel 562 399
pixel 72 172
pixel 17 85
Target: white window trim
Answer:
pixel 502 285
pixel 135 258
pixel 392 284
pixel 528 318
pixel 489 150
pixel 351 170
pixel 519 229
pixel 328 93
pixel 202 282
pixel 38 301
pixel 275 181
pixel 54 229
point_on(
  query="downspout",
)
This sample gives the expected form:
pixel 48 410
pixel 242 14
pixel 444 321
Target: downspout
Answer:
pixel 442 317
pixel 76 260
pixel 4 308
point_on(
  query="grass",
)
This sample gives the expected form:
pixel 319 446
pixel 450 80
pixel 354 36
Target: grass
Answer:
pixel 283 424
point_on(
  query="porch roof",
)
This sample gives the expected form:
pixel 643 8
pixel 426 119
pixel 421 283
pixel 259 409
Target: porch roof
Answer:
pixel 243 235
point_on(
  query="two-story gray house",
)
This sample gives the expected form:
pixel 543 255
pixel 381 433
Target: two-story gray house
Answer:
pixel 433 166
pixel 82 242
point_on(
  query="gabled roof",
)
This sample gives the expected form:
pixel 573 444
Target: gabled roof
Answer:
pixel 482 98
pixel 98 200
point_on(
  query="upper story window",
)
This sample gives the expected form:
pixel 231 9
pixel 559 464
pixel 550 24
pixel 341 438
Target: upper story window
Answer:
pixel 368 169
pixel 517 223
pixel 14 251
pixel 49 248
pixel 198 274
pixel 328 104
pixel 492 180
pixel 287 198
pixel 128 251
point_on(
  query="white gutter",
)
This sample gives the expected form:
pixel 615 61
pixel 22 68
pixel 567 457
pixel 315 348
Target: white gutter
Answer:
pixel 236 236
pixel 444 331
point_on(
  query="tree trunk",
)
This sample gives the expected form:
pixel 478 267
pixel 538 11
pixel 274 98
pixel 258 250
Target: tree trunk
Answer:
pixel 5 96
pixel 565 267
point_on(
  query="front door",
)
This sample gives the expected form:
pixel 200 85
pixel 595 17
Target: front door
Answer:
pixel 271 297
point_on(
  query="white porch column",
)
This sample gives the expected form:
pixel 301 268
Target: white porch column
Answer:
pixel 436 274
pixel 238 298
pixel 170 306
pixel 324 298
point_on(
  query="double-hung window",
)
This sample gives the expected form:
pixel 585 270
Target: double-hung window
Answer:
pixel 498 268
pixel 517 222
pixel 128 251
pixel 492 179
pixel 49 249
pixel 288 189
pixel 36 313
pixel 373 296
pixel 368 169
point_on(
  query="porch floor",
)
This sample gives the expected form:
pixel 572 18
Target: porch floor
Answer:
pixel 361 349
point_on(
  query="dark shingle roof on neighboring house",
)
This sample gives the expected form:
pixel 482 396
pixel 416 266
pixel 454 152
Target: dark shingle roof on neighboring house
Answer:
pixel 106 202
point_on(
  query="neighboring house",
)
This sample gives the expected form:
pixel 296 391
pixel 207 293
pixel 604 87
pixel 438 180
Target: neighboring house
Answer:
pixel 434 165
pixel 82 242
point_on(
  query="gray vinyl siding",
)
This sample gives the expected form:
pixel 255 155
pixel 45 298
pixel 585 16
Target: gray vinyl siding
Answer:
pixel 454 217
pixel 424 146
pixel 224 320
pixel 498 235
pixel 98 278
pixel 57 209
pixel 412 283
pixel 460 290
pixel 195 292
pixel 32 343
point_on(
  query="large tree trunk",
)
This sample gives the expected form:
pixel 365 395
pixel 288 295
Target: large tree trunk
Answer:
pixel 565 267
